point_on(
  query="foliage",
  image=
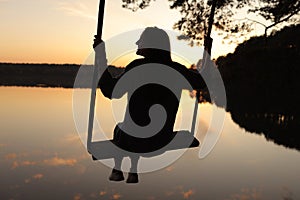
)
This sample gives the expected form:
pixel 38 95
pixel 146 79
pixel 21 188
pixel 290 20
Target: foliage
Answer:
pixel 277 10
pixel 134 5
pixel 262 86
pixel 262 77
pixel 195 13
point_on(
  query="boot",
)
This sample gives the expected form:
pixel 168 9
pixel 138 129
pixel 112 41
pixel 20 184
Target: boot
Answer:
pixel 116 175
pixel 132 178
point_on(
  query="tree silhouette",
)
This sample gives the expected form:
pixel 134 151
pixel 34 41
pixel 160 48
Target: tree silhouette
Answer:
pixel 194 23
pixel 262 86
pixel 134 5
pixel 278 11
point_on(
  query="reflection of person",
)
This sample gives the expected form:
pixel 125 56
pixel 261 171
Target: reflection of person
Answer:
pixel 154 46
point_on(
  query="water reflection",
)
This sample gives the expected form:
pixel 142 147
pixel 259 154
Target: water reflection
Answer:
pixel 42 157
pixel 276 118
pixel 281 129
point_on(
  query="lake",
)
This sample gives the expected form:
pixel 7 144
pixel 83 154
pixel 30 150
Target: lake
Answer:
pixel 42 157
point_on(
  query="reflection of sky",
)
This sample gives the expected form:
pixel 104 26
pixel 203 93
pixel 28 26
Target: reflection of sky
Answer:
pixel 42 158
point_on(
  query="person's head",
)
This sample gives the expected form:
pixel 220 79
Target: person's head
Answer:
pixel 154 42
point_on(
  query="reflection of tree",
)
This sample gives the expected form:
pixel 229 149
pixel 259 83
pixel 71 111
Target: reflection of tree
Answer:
pixel 281 129
pixel 262 86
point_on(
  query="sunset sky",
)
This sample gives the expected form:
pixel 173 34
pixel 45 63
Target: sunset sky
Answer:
pixel 61 31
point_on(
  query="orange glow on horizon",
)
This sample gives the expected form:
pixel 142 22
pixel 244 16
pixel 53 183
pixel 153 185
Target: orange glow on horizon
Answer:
pixel 54 31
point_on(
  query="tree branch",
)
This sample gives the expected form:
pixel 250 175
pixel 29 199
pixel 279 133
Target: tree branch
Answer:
pixel 284 19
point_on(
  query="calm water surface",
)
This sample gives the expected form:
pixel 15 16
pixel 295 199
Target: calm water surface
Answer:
pixel 42 157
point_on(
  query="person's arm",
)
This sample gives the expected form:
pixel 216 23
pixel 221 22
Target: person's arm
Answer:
pixel 193 77
pixel 196 80
pixel 106 82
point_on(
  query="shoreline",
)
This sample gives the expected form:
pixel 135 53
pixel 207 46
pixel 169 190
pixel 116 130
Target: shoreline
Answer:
pixel 43 75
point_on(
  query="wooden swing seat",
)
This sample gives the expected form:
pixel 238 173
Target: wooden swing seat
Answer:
pixel 107 149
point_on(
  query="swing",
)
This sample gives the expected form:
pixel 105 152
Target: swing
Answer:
pixel 107 149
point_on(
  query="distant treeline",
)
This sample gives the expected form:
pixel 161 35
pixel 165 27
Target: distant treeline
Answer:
pixel 262 81
pixel 264 73
pixel 42 75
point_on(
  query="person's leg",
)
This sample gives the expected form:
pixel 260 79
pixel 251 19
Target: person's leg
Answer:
pixel 134 163
pixel 117 174
pixel 133 175
pixel 118 163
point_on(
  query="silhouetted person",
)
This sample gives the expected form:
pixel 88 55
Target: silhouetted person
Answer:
pixel 154 46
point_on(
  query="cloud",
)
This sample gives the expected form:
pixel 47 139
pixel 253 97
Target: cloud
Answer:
pixel 116 196
pixel 14 165
pixel 17 164
pixel 38 176
pixel 11 156
pixel 56 161
pixel 247 194
pixel 188 194
pixel 77 197
pixel 28 163
pixel 76 9
pixel 179 191
pixel 169 169
pixel 34 177
pixel 102 193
